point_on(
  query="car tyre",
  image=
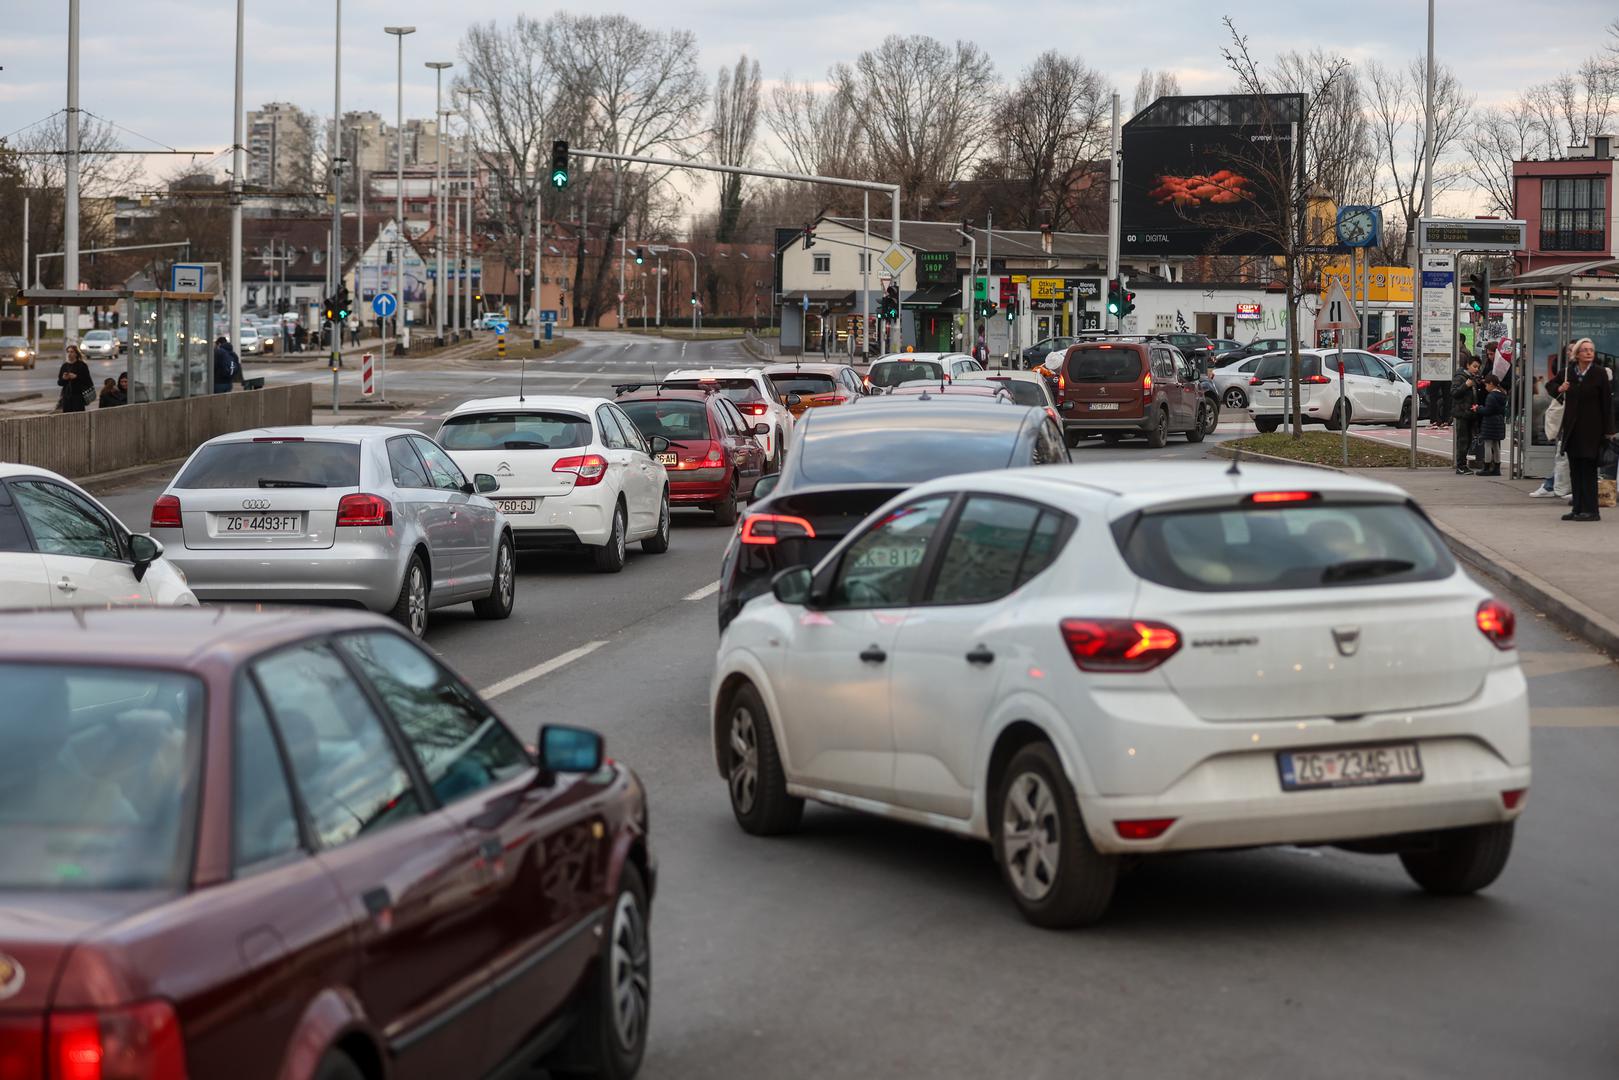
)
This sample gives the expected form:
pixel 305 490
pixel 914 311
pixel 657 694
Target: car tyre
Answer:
pixel 1073 438
pixel 609 1038
pixel 415 591
pixel 658 542
pixel 773 466
pixel 1158 437
pixel 503 592
pixel 1202 426
pixel 1112 438
pixel 1056 877
pixel 753 772
pixel 1342 413
pixel 1461 861
pixel 1405 415
pixel 338 1066
pixel 1267 424
pixel 725 510
pixel 1235 399
pixel 610 556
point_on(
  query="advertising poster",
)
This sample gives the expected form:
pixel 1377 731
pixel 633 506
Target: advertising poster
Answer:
pixel 1438 301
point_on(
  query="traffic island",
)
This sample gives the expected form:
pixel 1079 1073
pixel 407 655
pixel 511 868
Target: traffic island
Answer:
pixel 1326 448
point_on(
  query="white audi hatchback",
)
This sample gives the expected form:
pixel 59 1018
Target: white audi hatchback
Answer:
pixel 573 472
pixel 1083 663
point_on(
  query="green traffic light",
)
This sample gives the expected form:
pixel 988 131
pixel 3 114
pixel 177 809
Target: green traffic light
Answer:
pixel 1112 307
pixel 559 178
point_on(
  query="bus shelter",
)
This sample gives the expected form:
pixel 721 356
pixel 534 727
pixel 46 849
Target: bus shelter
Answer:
pixel 171 337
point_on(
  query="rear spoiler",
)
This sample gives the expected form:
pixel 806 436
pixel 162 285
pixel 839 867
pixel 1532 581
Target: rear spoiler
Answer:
pixel 620 389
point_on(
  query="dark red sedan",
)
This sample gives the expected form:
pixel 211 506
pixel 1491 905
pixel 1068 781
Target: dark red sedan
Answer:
pixel 294 845
pixel 713 459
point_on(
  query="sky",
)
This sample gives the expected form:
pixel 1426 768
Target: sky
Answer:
pixel 162 69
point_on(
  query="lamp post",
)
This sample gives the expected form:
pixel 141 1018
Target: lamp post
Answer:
pixel 233 305
pixel 438 67
pixel 466 224
pixel 399 33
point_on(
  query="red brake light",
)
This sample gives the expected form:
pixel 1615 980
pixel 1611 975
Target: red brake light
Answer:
pixel 1511 799
pixel 137 1042
pixel 1144 828
pixel 280 438
pixel 361 509
pixel 22 1046
pixel 587 468
pixel 1131 645
pixel 1269 497
pixel 1317 379
pixel 1423 384
pixel 773 528
pixel 758 408
pixel 1254 380
pixel 1146 382
pixel 166 512
pixel 1497 622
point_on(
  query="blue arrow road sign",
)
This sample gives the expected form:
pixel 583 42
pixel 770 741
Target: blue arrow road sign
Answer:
pixel 384 304
pixel 500 327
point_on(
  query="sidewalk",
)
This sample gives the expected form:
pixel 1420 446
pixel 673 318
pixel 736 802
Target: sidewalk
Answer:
pixel 1493 525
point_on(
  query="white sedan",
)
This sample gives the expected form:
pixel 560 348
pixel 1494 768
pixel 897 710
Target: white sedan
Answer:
pixel 573 471
pixel 755 398
pixel 1084 663
pixel 59 547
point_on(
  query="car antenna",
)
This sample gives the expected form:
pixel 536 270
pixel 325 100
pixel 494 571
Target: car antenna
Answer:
pixel 522 372
pixel 1236 456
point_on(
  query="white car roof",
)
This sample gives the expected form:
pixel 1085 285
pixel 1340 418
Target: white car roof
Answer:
pixel 583 403
pixel 354 433
pixel 935 357
pixel 998 374
pixel 15 468
pixel 714 373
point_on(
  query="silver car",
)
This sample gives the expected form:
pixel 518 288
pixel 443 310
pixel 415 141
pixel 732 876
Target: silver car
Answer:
pixel 1231 383
pixel 99 345
pixel 371 516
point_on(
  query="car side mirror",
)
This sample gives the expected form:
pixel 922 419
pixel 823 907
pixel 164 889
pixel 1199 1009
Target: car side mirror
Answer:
pixel 761 429
pixel 792 585
pixel 482 484
pixel 657 444
pixel 764 486
pixel 567 749
pixel 143 552
pixel 791 400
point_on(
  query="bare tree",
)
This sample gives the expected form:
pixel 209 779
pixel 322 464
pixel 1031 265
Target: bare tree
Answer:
pixel 736 123
pixel 1053 138
pixel 1497 138
pixel 40 167
pixel 1153 85
pixel 1395 97
pixel 924 109
pixel 1338 149
pixel 818 131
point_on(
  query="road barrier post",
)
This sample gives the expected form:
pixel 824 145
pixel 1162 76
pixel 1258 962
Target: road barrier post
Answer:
pixel 365 375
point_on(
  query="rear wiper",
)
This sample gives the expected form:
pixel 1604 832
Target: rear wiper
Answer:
pixel 289 483
pixel 519 444
pixel 1365 568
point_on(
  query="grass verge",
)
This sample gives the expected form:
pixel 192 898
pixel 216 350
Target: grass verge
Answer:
pixel 1326 448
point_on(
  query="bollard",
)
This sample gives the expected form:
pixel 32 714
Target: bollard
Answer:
pixel 500 346
pixel 334 363
pixel 366 388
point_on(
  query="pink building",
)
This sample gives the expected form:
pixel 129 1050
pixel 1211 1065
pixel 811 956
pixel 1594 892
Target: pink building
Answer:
pixel 1569 205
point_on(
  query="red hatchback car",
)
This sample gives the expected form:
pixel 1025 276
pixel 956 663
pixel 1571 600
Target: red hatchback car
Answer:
pixel 294 846
pixel 713 459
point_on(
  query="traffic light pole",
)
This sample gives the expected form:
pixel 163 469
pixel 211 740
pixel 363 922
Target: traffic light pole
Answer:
pixel 1113 208
pixel 969 298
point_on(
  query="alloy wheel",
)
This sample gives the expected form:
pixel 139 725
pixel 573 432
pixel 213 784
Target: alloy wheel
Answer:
pixel 1030 837
pixel 744 760
pixel 631 973
pixel 663 521
pixel 505 575
pixel 418 600
pixel 1234 399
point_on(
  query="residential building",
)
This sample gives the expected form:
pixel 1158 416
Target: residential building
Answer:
pixel 1568 204
pixel 280 147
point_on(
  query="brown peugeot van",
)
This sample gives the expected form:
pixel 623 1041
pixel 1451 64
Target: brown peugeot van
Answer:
pixel 1123 387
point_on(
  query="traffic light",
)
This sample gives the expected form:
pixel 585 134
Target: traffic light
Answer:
pixel 329 309
pixel 809 237
pixel 693 299
pixel 341 302
pixel 640 256
pixel 559 164
pixel 986 309
pixel 889 308
pixel 1127 301
pixel 1478 291
pixel 1010 303
pixel 1113 298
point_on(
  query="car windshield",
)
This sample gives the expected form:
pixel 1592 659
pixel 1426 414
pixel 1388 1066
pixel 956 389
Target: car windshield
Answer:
pixel 98 335
pixel 907 448
pixel 895 372
pixel 273 463
pixel 677 421
pixel 13 343
pixel 98 776
pixel 250 331
pixel 515 431
pixel 1274 366
pixel 1305 546
pixel 741 391
pixel 802 382
pixel 1102 363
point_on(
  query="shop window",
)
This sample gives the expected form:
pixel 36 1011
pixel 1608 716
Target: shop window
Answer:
pixel 1573 213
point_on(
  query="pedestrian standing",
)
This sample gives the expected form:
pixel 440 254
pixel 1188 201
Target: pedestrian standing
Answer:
pixel 1492 426
pixel 1588 425
pixel 78 386
pixel 354 330
pixel 227 366
pixel 1465 386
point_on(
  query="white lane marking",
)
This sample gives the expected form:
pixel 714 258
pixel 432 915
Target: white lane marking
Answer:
pixel 538 671
pixel 707 590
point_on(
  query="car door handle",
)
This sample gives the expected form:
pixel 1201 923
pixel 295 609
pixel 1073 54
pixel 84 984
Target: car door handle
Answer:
pixel 873 655
pixel 66 585
pixel 377 901
pixel 980 655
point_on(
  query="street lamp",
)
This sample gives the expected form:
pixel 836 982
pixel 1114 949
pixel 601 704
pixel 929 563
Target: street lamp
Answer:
pixel 438 67
pixel 466 247
pixel 399 201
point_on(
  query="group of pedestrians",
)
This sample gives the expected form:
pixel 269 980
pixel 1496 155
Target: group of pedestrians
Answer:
pixel 78 386
pixel 1478 413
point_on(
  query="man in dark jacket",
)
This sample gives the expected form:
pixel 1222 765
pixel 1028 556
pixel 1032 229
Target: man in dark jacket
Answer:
pixel 1588 424
pixel 226 365
pixel 1465 387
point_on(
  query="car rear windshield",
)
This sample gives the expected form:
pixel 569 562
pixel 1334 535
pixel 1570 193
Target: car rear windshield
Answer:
pixel 677 421
pixel 904 371
pixel 905 450
pixel 741 391
pixel 1097 364
pixel 98 776
pixel 802 382
pixel 515 431
pixel 1023 391
pixel 1274 366
pixel 1311 545
pixel 273 463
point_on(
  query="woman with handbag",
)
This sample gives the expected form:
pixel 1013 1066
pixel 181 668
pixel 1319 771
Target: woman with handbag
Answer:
pixel 78 387
pixel 1588 426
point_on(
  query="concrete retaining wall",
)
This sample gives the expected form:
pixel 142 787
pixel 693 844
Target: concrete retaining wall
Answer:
pixel 105 440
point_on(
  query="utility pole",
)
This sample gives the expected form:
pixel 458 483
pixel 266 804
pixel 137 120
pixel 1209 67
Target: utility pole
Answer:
pixel 539 254
pixel 1113 210
pixel 865 274
pixel 1416 248
pixel 438 67
pixel 989 270
pixel 233 304
pixel 335 271
pixel 466 248
pixel 969 295
pixel 400 309
pixel 70 189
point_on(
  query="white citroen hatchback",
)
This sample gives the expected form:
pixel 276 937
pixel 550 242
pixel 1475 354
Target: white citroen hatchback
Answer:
pixel 1081 663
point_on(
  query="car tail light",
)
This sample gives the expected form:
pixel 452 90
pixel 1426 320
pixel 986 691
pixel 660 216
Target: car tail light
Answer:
pixel 1423 384
pixel 1512 799
pixel 715 453
pixel 1497 622
pixel 758 408
pixel 137 1042
pixel 1130 645
pixel 1062 381
pixel 1318 380
pixel 1254 380
pixel 1144 828
pixel 1146 387
pixel 587 468
pixel 166 512
pixel 773 528
pixel 359 508
pixel 22 1047
pixel 1055 418
pixel 1268 498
